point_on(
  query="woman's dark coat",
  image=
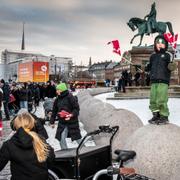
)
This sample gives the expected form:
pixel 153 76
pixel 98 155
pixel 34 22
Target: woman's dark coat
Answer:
pixel 23 160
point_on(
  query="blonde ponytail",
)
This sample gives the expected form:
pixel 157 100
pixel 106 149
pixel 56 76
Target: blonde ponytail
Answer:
pixel 40 147
pixel 27 122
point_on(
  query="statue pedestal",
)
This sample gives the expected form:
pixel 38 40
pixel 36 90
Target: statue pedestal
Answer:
pixel 140 56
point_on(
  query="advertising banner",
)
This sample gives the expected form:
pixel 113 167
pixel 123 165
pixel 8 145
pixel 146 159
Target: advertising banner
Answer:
pixel 41 71
pixel 25 72
pixel 33 72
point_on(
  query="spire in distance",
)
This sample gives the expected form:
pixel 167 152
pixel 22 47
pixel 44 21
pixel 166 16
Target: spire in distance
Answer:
pixel 23 40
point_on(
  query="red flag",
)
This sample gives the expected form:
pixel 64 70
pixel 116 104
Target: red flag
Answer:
pixel 116 46
pixel 171 39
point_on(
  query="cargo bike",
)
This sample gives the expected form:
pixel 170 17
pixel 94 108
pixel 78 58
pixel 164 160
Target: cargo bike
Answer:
pixel 82 163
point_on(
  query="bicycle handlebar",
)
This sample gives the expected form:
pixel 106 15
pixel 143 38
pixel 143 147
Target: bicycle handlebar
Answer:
pixel 103 129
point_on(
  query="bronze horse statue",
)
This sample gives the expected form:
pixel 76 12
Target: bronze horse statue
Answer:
pixel 141 25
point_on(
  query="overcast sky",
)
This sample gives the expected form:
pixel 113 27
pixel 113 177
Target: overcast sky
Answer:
pixel 78 28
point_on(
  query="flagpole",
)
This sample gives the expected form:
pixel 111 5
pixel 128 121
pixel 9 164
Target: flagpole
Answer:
pixel 116 49
pixel 131 63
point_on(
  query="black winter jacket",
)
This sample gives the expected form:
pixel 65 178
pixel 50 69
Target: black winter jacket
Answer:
pixel 158 66
pixel 66 101
pixel 23 94
pixel 6 92
pixel 23 160
pixel 159 72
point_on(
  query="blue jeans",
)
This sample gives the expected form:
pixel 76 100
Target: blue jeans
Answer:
pixel 24 104
pixel 64 135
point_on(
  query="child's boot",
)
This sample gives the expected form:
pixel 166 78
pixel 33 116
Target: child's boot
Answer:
pixel 155 118
pixel 163 120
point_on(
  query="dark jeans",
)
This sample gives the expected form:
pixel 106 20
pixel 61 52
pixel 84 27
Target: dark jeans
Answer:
pixel 6 110
pixel 0 115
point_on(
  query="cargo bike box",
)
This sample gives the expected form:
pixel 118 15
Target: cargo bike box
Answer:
pixel 83 162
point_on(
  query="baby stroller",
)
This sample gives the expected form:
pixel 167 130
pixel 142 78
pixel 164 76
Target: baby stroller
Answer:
pixel 13 108
pixel 48 107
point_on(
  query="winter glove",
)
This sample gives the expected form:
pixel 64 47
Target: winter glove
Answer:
pixel 172 66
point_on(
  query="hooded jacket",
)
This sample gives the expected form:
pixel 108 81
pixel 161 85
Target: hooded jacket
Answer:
pixel 158 66
pixel 23 160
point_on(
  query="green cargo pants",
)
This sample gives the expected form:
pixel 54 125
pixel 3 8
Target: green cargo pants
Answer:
pixel 159 98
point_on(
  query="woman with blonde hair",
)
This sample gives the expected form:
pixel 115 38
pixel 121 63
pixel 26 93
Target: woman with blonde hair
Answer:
pixel 28 154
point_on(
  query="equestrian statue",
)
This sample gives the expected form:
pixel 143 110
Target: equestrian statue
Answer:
pixel 149 25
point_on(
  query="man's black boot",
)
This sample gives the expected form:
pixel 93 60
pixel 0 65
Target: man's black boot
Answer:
pixel 163 120
pixel 155 118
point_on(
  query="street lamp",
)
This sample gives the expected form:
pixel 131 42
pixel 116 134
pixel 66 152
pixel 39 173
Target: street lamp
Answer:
pixel 53 58
pixel 55 68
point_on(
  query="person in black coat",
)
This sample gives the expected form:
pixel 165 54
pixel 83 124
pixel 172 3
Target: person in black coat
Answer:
pixel 23 96
pixel 29 155
pixel 6 92
pixel 36 94
pixel 68 123
pixel 50 90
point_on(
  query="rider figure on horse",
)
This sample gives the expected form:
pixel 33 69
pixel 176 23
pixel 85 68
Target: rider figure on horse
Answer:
pixel 151 19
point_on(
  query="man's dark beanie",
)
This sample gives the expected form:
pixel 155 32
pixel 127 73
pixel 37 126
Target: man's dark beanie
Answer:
pixel 2 81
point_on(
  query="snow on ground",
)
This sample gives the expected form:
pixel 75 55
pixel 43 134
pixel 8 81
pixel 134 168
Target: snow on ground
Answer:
pixel 141 107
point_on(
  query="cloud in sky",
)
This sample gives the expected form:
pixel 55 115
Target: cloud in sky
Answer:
pixel 77 28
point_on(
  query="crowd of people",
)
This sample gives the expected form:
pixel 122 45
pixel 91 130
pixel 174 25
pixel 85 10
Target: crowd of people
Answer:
pixel 23 95
pixel 29 154
pixel 140 78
